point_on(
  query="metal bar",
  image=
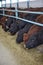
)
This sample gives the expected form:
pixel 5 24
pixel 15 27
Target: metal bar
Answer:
pixel 5 3
pixel 39 24
pixel 30 12
pixel 3 12
pixel 28 3
pixel 16 12
pixel 17 4
pixel 8 10
pixel 1 3
pixel 10 3
pixel 17 9
pixel 23 11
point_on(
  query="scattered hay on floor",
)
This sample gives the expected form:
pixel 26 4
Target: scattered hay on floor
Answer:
pixel 23 56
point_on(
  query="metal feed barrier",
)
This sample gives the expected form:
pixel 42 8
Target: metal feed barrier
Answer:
pixel 16 11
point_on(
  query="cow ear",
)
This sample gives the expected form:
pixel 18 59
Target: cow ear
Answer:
pixel 39 19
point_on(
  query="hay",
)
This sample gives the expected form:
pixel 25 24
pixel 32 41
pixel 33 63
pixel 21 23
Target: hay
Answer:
pixel 23 56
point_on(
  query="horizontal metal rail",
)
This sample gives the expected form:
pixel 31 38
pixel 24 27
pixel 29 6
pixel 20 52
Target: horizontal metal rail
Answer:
pixel 39 24
pixel 30 12
pixel 23 11
pixel 8 10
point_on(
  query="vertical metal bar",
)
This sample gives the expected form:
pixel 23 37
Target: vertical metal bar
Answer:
pixel 5 3
pixel 17 3
pixel 17 9
pixel 28 3
pixel 10 3
pixel 1 3
pixel 3 12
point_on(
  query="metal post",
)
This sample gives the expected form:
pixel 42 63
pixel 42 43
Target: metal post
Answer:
pixel 10 3
pixel 1 3
pixel 28 3
pixel 17 9
pixel 3 12
pixel 5 3
pixel 17 3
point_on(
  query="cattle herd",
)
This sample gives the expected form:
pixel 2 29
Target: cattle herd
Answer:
pixel 30 34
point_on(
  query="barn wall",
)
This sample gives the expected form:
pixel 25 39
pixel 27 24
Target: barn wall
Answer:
pixel 37 3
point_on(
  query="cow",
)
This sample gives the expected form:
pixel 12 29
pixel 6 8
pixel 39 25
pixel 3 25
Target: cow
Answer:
pixel 25 29
pixel 3 19
pixel 35 40
pixel 7 23
pixel 21 24
pixel 33 29
pixel 27 37
pixel 14 27
pixel 19 38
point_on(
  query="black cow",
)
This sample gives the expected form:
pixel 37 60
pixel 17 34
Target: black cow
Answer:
pixel 22 31
pixel 1 16
pixel 40 36
pixel 16 25
pixel 13 28
pixel 31 17
pixel 7 24
pixel 35 40
pixel 21 24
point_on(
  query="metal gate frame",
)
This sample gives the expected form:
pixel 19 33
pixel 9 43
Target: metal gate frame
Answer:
pixel 16 11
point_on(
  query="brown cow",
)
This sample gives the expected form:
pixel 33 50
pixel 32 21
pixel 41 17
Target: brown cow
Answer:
pixel 34 29
pixel 3 19
pixel 23 15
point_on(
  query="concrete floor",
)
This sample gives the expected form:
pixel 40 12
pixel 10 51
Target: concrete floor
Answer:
pixel 13 54
pixel 5 56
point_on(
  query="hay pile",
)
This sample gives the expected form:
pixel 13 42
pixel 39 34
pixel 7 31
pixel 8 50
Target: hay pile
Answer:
pixel 23 56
